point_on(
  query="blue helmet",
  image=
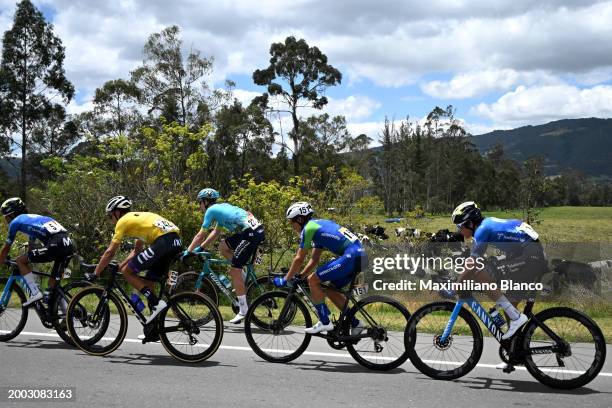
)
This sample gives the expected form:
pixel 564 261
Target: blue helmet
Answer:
pixel 208 194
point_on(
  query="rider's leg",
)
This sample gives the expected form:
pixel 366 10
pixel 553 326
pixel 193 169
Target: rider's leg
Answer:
pixel 236 274
pixel 146 287
pixel 25 269
pixel 318 298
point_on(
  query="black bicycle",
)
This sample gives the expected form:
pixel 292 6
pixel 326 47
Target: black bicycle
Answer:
pixel 190 328
pixel 52 313
pixel 275 323
pixel 561 347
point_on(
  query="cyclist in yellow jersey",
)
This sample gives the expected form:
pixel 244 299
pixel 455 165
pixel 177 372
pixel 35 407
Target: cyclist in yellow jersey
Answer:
pixel 163 244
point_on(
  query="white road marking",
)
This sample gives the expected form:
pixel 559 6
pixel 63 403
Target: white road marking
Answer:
pixel 311 353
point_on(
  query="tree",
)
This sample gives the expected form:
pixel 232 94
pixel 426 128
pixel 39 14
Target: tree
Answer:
pixel 298 75
pixel 172 85
pixel 33 76
pixel 115 105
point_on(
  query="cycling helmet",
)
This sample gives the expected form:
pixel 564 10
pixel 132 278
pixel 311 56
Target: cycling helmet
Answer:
pixel 467 211
pixel 118 203
pixel 208 194
pixel 13 206
pixel 299 208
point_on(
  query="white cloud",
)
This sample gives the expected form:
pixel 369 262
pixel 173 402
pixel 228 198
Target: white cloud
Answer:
pixel 541 104
pixel 471 84
pixel 354 107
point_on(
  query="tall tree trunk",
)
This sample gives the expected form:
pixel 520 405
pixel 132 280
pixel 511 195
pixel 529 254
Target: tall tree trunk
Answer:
pixel 295 137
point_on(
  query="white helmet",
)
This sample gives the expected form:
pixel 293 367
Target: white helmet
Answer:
pixel 299 208
pixel 118 203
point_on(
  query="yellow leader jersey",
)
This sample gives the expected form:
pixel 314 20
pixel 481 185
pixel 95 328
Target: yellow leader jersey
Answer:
pixel 142 225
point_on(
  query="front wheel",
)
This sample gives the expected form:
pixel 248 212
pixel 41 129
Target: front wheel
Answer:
pixel 443 360
pixel 191 327
pixel 97 320
pixel 13 316
pixel 187 282
pixel 269 331
pixel 385 321
pixel 564 348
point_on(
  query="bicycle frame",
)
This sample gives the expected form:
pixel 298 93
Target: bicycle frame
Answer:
pixel 207 271
pixel 113 286
pixel 487 320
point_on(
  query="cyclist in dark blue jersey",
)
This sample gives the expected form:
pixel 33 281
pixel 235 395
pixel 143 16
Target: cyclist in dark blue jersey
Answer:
pixel 317 236
pixel 57 246
pixel 518 241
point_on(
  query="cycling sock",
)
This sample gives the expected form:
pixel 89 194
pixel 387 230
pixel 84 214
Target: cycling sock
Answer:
pixel 354 322
pixel 508 307
pixel 242 303
pixel 323 312
pixel 31 281
pixel 151 298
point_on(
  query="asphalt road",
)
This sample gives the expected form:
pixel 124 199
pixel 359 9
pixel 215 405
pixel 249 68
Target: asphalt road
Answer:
pixel 139 375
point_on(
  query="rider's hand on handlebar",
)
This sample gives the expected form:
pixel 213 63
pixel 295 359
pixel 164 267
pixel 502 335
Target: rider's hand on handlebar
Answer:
pixel 91 277
pixel 186 254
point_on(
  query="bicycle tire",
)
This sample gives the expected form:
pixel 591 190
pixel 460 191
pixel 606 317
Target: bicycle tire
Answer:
pixel 427 366
pixel 22 319
pixel 86 344
pixel 186 283
pixel 593 368
pixel 252 328
pixel 213 346
pixel 354 348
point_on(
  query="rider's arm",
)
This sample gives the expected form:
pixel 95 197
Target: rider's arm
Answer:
pixel 298 261
pixel 313 262
pixel 107 257
pixel 4 253
pixel 197 239
pixel 211 238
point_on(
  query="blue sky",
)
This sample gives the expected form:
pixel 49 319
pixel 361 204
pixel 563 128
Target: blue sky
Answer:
pixel 501 64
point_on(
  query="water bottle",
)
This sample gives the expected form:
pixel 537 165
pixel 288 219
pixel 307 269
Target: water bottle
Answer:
pixel 498 318
pixel 137 302
pixel 226 282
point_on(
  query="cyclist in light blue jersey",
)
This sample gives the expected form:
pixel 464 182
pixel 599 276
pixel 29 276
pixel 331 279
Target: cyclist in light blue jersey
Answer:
pixel 57 246
pixel 317 236
pixel 246 234
pixel 518 241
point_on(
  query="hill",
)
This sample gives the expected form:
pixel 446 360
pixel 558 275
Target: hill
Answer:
pixel 569 144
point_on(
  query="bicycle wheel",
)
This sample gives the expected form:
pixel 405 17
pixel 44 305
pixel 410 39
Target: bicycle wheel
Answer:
pixel 571 361
pixel 261 285
pixel 273 337
pixel 191 327
pixel 186 282
pixel 97 320
pixel 386 320
pixel 59 307
pixel 454 358
pixel 13 317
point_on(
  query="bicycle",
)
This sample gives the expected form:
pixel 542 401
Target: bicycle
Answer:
pixel 442 330
pixel 274 326
pixel 208 282
pixel 191 319
pixel 13 316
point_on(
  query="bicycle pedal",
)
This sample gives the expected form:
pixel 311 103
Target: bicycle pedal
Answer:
pixel 509 368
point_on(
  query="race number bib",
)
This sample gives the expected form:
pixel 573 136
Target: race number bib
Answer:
pixel 252 221
pixel 165 225
pixel 348 234
pixel 527 229
pixel 53 227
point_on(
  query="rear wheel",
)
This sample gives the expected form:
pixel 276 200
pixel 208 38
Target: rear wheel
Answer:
pixel 13 316
pixel 273 337
pixel 443 360
pixel 191 327
pixel 59 307
pixel 97 320
pixel 571 361
pixel 385 322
